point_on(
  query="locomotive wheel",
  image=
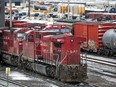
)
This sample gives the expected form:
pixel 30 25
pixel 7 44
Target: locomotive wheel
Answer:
pixel 22 62
pixel 28 66
pixel 53 71
pixel 48 70
pixel 14 60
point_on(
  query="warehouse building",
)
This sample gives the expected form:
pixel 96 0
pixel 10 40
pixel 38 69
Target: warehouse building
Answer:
pixel 16 2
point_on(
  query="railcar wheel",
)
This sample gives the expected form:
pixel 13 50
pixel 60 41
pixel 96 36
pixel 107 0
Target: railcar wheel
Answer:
pixel 107 52
pixel 99 52
pixel 111 53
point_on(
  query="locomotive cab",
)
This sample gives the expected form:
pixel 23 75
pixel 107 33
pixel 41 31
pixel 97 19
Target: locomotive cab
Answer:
pixel 66 59
pixel 19 36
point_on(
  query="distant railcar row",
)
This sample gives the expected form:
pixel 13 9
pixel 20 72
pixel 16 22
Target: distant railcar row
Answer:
pixel 102 16
pixel 100 36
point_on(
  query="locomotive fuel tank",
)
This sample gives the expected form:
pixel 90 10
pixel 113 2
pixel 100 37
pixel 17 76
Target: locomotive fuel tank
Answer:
pixel 109 39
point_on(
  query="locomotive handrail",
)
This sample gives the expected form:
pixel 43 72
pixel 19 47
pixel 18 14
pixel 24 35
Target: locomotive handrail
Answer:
pixel 57 66
pixel 83 58
pixel 63 59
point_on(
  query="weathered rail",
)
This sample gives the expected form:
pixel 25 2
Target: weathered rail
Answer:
pixel 104 62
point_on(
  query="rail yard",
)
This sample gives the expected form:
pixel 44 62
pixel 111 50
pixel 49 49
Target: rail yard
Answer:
pixel 57 43
pixel 97 77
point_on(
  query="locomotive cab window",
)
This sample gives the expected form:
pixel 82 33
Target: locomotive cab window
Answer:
pixel 65 30
pixel 30 38
pixel 58 45
pixel 21 36
pixel 38 35
pixel 55 30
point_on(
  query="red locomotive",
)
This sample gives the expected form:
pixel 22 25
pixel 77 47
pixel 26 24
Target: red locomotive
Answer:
pixel 50 55
pixel 12 44
pixel 97 34
pixel 50 52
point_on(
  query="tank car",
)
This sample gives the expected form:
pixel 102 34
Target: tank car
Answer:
pixel 109 41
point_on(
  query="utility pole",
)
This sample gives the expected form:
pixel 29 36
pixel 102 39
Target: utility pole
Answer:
pixel 2 17
pixel 68 9
pixel 29 8
pixel 10 1
pixel 23 2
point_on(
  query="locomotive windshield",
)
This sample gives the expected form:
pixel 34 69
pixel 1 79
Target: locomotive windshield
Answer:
pixel 60 30
pixel 56 30
pixel 21 35
pixel 65 30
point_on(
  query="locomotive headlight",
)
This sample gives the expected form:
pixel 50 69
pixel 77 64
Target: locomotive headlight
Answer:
pixel 20 43
pixel 60 40
pixel 71 41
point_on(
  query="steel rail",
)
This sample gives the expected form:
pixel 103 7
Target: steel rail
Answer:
pixel 3 85
pixel 103 62
pixel 13 82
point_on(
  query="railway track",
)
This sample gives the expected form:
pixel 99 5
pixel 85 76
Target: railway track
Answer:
pixel 51 82
pixel 2 85
pixel 101 65
pixel 101 61
pixel 57 83
pixel 15 83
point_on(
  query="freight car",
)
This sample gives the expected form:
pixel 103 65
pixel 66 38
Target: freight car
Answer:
pixel 99 37
pixel 22 24
pixel 49 52
pixel 102 16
